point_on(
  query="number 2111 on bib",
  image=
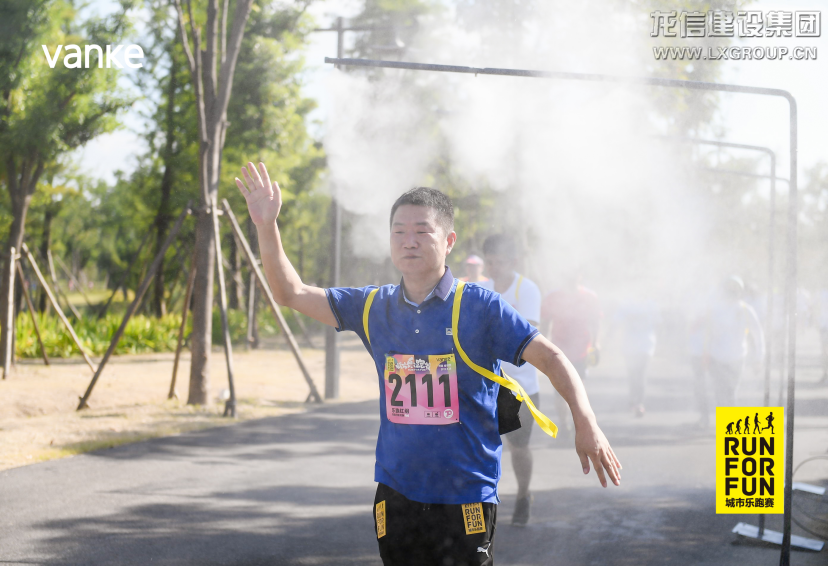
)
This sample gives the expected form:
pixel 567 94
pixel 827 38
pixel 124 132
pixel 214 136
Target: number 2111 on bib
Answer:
pixel 421 390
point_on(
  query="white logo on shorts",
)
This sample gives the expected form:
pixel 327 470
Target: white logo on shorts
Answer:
pixel 484 550
pixel 448 413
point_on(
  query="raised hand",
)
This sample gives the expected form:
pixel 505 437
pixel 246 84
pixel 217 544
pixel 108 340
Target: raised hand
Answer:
pixel 263 197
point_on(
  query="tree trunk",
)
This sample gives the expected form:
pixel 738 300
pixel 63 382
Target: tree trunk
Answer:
pixel 163 218
pixel 212 87
pixel 20 206
pixel 201 337
pixel 236 285
pixel 46 243
pixel 205 255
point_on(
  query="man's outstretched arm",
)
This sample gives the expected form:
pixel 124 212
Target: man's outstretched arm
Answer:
pixel 591 444
pixel 264 200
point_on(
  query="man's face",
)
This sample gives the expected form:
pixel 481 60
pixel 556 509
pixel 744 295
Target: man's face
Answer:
pixel 498 266
pixel 418 243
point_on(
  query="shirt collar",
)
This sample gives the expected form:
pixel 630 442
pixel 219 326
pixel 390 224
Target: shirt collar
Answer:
pixel 441 290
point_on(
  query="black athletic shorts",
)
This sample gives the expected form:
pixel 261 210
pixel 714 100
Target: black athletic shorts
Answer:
pixel 419 534
pixel 521 437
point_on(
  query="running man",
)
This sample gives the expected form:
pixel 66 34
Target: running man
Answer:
pixel 724 330
pixel 501 257
pixel 438 449
pixel 639 319
pixel 570 316
pixel 769 420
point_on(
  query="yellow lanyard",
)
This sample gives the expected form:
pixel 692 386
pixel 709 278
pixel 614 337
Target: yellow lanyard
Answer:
pixel 517 287
pixel 545 423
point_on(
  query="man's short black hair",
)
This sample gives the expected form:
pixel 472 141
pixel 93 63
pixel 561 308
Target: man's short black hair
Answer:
pixel 431 198
pixel 500 244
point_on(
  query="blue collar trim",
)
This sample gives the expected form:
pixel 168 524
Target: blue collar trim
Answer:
pixel 441 290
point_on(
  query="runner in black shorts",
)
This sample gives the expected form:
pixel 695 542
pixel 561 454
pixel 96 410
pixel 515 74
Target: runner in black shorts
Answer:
pixel 432 533
pixel 437 344
pixel 501 259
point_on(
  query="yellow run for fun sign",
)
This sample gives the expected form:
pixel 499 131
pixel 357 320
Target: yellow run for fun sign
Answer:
pixel 750 460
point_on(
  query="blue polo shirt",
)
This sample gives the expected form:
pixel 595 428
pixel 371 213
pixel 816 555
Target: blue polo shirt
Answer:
pixel 451 463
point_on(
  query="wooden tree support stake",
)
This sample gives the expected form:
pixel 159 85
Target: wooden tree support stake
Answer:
pixel 263 284
pixel 134 305
pixel 190 280
pixel 56 306
pixel 32 312
pixel 303 329
pixel 58 288
pixel 123 281
pixel 9 322
pixel 252 338
pixel 230 404
pixel 73 279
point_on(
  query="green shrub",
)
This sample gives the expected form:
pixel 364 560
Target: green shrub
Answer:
pixel 143 334
pixel 237 321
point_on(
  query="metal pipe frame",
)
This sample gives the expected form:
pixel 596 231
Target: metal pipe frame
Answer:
pixel 772 198
pixel 770 299
pixel 791 232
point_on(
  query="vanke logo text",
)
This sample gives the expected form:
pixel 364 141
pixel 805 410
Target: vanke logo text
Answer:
pixel 74 58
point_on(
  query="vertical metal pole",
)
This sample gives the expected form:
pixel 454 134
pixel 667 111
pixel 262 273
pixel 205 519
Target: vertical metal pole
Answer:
pixel 770 298
pixel 769 309
pixel 230 404
pixel 791 311
pixel 332 346
pixel 7 354
pixel 339 40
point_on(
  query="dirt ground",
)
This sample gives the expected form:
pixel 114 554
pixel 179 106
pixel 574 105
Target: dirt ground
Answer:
pixel 38 420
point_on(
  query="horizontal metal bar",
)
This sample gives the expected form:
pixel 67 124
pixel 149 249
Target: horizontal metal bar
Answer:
pixel 653 81
pixel 744 174
pixel 719 143
pixel 356 28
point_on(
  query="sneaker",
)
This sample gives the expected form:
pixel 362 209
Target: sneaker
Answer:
pixel 522 511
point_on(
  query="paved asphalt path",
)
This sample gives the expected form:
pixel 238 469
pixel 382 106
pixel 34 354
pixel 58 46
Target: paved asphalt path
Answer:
pixel 298 489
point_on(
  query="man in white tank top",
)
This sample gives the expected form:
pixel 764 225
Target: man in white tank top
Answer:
pixel 501 258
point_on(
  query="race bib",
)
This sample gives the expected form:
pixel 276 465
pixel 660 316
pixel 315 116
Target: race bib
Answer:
pixel 421 389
